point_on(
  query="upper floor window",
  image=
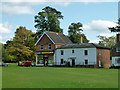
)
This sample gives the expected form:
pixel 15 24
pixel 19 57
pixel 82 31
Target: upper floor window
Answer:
pixel 118 49
pixel 62 52
pixel 49 46
pixel 72 51
pixel 41 47
pixel 86 52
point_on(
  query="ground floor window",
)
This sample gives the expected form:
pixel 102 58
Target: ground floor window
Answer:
pixel 117 60
pixel 45 59
pixel 86 61
pixel 61 61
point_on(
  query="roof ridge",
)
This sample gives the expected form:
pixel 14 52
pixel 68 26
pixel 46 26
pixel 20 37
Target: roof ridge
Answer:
pixel 54 32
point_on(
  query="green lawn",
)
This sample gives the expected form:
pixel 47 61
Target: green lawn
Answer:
pixel 14 76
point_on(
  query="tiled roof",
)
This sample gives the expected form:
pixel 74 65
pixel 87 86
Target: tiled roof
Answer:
pixel 83 45
pixel 58 38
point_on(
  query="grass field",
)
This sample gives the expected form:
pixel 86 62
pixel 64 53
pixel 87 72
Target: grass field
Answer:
pixel 54 77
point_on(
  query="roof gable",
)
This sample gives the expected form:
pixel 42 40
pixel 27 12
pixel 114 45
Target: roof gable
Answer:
pixel 42 36
pixel 56 38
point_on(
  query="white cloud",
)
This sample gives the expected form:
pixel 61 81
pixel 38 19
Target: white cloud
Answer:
pixel 94 41
pixel 34 31
pixel 5 28
pixel 99 26
pixel 108 34
pixel 14 9
pixel 60 0
pixel 0 37
pixel 96 28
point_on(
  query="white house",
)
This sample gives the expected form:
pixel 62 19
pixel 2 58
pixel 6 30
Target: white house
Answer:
pixel 116 52
pixel 84 54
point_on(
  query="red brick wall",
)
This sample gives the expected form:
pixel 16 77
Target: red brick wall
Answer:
pixel 104 56
pixel 114 53
pixel 45 41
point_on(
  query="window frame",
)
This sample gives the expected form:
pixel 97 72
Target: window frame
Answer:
pixel 85 52
pixel 85 61
pixel 62 61
pixel 73 51
pixel 62 52
pixel 49 46
pixel 117 49
pixel 41 45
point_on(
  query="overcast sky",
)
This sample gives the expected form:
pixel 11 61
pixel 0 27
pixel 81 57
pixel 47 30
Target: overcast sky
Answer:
pixel 95 15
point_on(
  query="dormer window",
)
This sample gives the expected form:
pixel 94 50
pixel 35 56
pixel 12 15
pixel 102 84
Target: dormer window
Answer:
pixel 118 49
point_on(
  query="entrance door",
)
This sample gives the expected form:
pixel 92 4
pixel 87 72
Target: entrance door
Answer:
pixel 73 62
pixel 45 61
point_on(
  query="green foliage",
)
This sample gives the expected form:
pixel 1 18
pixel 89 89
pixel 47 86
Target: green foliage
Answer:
pixel 75 35
pixel 48 20
pixel 116 28
pixel 21 47
pixel 107 41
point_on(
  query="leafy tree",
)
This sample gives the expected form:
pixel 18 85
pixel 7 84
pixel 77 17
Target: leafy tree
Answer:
pixel 116 28
pixel 22 47
pixel 48 20
pixel 75 35
pixel 107 41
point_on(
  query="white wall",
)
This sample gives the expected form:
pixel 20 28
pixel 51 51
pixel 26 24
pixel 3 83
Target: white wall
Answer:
pixel 78 54
pixel 114 61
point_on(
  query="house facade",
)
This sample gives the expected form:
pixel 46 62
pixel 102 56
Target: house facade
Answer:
pixel 116 52
pixel 83 55
pixel 46 45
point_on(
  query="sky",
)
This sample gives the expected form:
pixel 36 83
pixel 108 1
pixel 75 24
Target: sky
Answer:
pixel 95 15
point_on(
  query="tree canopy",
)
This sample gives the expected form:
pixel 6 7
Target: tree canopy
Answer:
pixel 107 41
pixel 116 28
pixel 48 20
pixel 21 47
pixel 75 35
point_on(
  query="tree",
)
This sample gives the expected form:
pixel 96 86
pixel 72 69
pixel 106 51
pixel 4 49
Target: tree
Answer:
pixel 116 28
pixel 48 20
pixel 107 41
pixel 75 35
pixel 22 47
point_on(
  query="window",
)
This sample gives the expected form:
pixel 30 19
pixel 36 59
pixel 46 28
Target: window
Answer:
pixel 118 60
pixel 61 61
pixel 72 51
pixel 62 52
pixel 117 49
pixel 86 61
pixel 86 52
pixel 49 46
pixel 41 47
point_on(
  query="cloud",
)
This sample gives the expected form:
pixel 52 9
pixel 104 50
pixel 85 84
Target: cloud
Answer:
pixel 34 31
pixel 14 9
pixel 94 41
pixel 60 1
pixel 96 28
pixel 108 34
pixel 5 28
pixel 0 37
pixel 100 26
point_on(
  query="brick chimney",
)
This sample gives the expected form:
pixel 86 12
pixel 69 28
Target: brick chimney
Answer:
pixel 118 37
